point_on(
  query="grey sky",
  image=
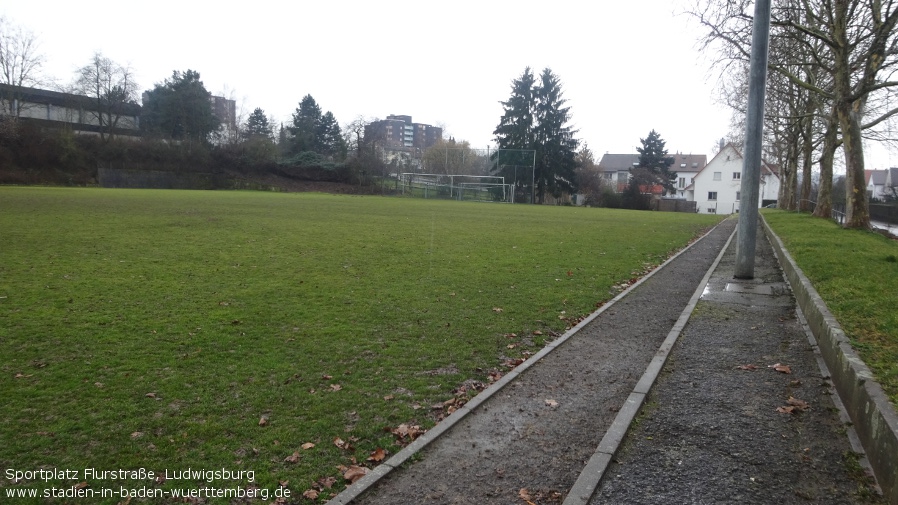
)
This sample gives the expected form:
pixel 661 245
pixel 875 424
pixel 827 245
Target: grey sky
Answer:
pixel 626 67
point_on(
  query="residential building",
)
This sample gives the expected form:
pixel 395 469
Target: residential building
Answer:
pixel 402 141
pixel 716 189
pixel 876 183
pixel 78 112
pixel 400 132
pixel 225 111
pixel 615 170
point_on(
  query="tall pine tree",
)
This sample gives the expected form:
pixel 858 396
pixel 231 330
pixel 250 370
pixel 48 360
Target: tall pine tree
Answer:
pixel 514 134
pixel 556 146
pixel 535 120
pixel 305 127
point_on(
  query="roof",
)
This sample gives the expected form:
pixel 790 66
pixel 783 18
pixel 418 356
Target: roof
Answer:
pixel 688 162
pixel 876 177
pixel 770 168
pixel 45 96
pixel 623 162
pixel 618 162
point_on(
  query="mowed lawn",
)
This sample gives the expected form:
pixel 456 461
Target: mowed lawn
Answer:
pixel 856 274
pixel 168 330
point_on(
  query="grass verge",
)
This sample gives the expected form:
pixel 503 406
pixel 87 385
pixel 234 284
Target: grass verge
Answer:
pixel 856 274
pixel 283 334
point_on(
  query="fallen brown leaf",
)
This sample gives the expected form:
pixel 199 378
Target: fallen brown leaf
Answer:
pixel 293 458
pixel 497 309
pixel 780 368
pixel 336 387
pixel 263 421
pixel 799 404
pixel 310 494
pixel 552 403
pixel 326 482
pixel 747 367
pixel 378 455
pixel 306 446
pixel 354 473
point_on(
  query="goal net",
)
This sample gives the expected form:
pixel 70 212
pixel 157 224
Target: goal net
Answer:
pixel 483 188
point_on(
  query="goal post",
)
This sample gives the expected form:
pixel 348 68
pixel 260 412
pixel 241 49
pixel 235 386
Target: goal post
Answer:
pixel 486 188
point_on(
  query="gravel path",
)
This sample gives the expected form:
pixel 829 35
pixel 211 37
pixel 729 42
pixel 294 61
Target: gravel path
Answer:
pixel 710 432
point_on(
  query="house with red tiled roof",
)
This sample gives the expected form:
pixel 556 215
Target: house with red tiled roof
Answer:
pixel 717 188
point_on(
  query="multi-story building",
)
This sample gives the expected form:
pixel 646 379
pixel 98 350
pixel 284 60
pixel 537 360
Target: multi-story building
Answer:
pixel 402 141
pixel 401 132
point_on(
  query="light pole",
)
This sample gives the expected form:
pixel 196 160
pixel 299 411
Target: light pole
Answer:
pixel 751 167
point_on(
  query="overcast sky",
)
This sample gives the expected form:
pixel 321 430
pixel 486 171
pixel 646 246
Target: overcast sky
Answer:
pixel 626 67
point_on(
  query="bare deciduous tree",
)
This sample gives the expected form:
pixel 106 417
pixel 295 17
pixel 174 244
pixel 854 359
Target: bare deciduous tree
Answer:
pixel 20 64
pixel 111 88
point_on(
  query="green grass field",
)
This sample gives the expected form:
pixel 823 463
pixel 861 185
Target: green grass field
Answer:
pixel 168 330
pixel 856 274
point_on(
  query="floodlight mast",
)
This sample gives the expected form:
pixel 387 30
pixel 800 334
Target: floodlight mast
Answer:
pixel 751 167
pixel 532 171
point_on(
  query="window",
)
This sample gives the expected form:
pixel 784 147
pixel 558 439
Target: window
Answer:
pixel 682 165
pixel 717 176
pixel 737 195
pixel 682 182
pixel 712 210
pixel 712 195
pixel 737 176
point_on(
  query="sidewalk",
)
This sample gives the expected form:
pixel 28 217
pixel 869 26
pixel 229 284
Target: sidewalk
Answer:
pixel 740 412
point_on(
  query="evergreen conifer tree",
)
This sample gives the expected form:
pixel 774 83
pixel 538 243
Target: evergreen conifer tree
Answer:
pixel 654 164
pixel 535 119
pixel 257 125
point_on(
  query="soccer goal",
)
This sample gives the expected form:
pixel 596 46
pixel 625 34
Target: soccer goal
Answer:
pixel 482 188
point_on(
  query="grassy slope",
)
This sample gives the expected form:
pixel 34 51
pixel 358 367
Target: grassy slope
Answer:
pixel 856 274
pixel 231 306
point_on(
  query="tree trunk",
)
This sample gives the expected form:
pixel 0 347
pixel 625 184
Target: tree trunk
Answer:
pixel 791 178
pixel 857 211
pixel 807 154
pixel 830 143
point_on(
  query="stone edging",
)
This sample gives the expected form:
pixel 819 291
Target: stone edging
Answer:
pixel 873 416
pixel 368 481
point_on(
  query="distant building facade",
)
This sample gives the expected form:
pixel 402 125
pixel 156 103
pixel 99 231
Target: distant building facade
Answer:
pixel 402 141
pixel 58 109
pixel 400 132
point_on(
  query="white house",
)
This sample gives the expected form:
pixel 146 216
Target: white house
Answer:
pixel 716 188
pixel 876 183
